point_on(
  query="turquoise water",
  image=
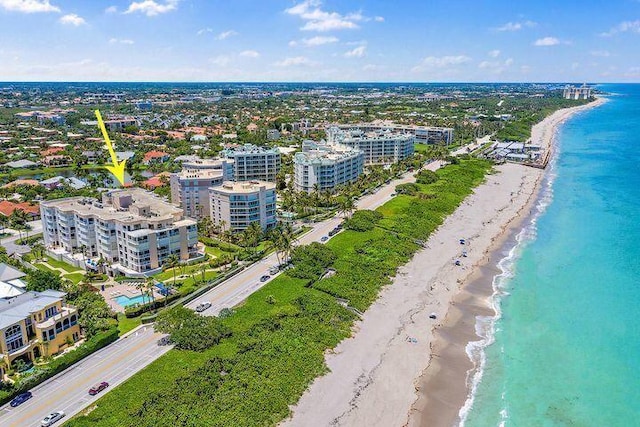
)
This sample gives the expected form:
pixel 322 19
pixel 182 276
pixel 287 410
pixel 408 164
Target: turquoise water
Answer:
pixel 126 301
pixel 567 345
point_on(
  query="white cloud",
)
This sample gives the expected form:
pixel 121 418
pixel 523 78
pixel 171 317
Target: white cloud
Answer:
pixel 546 41
pixel 226 34
pixel 204 31
pixel 295 61
pixel 623 27
pixel 378 19
pixel 314 41
pixel 250 53
pixel 516 26
pixel 600 53
pixel 495 67
pixel 357 52
pixel 120 41
pixel 28 6
pixel 439 62
pixel 111 9
pixel 494 53
pixel 72 19
pixel 152 7
pixel 320 20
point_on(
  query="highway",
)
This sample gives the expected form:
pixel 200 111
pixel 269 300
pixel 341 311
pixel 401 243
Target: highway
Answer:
pixel 68 391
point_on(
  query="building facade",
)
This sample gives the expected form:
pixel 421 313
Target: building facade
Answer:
pixel 235 205
pixel 190 187
pixel 422 134
pixel 323 167
pixel 132 230
pixel 378 147
pixel 572 92
pixel 253 163
pixel 35 324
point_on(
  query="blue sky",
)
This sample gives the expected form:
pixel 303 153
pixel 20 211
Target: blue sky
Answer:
pixel 320 40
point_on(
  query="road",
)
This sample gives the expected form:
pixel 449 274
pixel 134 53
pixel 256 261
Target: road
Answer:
pixel 68 391
pixel 10 242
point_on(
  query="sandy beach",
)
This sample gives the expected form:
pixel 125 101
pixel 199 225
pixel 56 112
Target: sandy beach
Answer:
pixel 400 367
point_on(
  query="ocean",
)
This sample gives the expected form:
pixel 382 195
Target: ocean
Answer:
pixel 565 348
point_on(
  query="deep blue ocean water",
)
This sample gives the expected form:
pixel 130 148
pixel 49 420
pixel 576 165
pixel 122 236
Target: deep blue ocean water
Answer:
pixel 567 344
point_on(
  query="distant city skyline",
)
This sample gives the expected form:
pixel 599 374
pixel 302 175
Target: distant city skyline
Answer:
pixel 317 41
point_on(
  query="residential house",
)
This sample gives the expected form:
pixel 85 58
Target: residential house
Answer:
pixel 11 283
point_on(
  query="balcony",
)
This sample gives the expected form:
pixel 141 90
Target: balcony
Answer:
pixel 62 314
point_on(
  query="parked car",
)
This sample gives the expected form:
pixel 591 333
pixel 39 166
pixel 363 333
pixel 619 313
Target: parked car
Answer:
pixel 324 239
pixel 20 399
pixel 52 418
pixel 394 194
pixel 274 270
pixel 164 341
pixel 203 306
pixel 265 278
pixel 98 388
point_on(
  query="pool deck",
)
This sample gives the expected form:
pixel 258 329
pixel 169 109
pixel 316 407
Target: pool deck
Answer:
pixel 122 289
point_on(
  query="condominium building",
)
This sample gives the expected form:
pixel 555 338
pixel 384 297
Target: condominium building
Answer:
pixel 253 163
pixel 572 92
pixel 190 187
pixel 381 146
pixel 235 205
pixel 422 134
pixel 35 324
pixel 322 166
pixel 132 230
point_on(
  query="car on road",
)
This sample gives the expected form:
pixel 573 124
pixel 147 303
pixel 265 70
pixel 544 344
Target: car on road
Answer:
pixel 164 341
pixel 52 418
pixel 332 232
pixel 324 238
pixel 203 306
pixel 20 399
pixel 394 194
pixel 98 388
pixel 274 270
pixel 265 278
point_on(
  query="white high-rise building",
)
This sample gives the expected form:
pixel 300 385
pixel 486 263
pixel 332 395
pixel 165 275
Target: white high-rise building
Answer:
pixel 572 92
pixel 422 134
pixel 253 163
pixel 379 147
pixel 131 229
pixel 190 187
pixel 235 205
pixel 322 166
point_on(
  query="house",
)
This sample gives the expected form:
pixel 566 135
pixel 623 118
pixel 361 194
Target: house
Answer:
pixel 18 182
pixel 51 151
pixel 59 181
pixel 155 157
pixel 156 181
pixel 21 164
pixel 57 160
pixel 11 283
pixel 35 324
pixel 7 208
pixel 125 155
pixel 91 156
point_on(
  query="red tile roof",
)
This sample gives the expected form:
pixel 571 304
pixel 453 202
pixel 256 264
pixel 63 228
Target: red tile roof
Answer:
pixel 7 208
pixel 154 155
pixel 50 151
pixel 21 182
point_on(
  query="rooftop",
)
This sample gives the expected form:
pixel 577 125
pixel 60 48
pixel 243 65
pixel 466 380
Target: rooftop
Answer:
pixel 117 206
pixel 231 187
pixel 18 308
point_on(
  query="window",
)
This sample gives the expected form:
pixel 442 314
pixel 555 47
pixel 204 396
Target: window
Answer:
pixel 51 311
pixel 13 337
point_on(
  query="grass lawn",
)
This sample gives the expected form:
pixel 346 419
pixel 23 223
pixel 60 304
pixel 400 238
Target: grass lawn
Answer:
pixel 213 252
pixel 420 148
pixel 74 277
pixel 43 267
pixel 63 265
pixel 126 324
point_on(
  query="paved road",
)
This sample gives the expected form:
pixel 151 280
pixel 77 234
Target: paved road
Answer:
pixel 68 391
pixel 10 242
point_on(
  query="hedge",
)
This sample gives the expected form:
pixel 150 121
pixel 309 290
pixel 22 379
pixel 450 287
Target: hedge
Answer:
pixel 61 363
pixel 137 310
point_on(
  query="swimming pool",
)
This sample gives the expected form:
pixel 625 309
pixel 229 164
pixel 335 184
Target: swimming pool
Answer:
pixel 126 301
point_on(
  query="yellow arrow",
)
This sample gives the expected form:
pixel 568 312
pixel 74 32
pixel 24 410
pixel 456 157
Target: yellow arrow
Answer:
pixel 118 168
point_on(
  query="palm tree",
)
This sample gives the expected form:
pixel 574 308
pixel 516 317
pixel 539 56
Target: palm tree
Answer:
pixel 141 286
pixel 37 250
pixel 172 262
pixel 346 206
pixel 149 287
pixel 101 264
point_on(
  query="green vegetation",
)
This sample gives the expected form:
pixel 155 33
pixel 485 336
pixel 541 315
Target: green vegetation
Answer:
pixel 190 331
pixel 279 336
pixel 364 220
pixel 126 324
pixel 63 265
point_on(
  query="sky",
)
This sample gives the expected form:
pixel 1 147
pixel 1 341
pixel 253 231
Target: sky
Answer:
pixel 320 40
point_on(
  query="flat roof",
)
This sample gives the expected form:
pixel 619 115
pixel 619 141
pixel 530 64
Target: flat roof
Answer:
pixel 232 187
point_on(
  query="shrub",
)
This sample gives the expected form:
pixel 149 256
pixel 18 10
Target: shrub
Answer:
pixel 409 189
pixel 427 177
pixel 310 261
pixel 138 309
pixel 363 220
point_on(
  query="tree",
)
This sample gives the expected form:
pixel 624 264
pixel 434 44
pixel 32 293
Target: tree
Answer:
pixel 346 205
pixel 190 331
pixel 149 288
pixel 172 262
pixel 38 280
pixel 37 250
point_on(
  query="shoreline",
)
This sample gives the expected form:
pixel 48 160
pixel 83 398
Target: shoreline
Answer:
pixel 375 375
pixel 451 382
